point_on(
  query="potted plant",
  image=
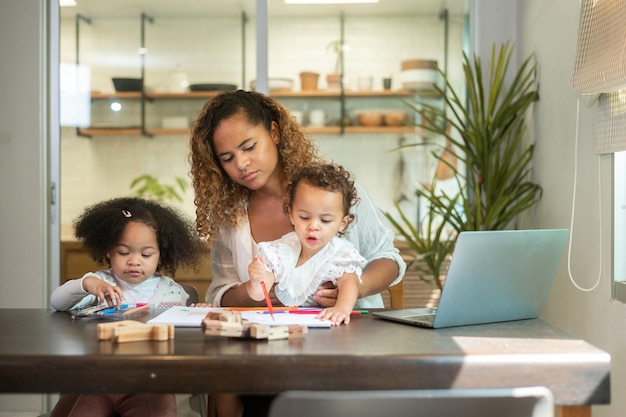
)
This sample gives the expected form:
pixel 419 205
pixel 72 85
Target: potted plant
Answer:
pixel 487 132
pixel 147 186
pixel 334 79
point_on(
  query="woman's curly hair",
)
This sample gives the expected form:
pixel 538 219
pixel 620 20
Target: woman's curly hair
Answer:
pixel 219 200
pixel 101 225
pixel 329 177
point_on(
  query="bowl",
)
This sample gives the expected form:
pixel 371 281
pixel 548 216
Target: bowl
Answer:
pixel 127 84
pixel 212 87
pixel 275 84
pixel 370 119
pixel 395 118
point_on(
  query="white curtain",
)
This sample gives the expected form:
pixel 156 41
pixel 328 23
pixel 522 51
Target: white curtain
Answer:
pixel 600 69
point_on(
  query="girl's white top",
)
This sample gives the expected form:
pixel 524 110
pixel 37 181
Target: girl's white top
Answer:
pixel 295 285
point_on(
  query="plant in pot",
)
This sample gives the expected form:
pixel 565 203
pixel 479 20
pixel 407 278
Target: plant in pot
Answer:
pixel 149 187
pixel 488 137
pixel 334 79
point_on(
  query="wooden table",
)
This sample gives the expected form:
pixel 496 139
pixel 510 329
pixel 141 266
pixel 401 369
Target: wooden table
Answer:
pixel 43 351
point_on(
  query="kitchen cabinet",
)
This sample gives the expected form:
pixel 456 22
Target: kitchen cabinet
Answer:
pixel 75 263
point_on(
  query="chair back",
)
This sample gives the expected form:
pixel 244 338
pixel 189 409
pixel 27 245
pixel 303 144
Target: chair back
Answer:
pixel 193 293
pixel 515 402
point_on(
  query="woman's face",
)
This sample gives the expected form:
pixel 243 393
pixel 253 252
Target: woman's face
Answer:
pixel 248 153
pixel 135 257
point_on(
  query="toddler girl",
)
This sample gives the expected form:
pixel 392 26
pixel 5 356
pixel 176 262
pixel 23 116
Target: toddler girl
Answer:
pixel 318 205
pixel 138 239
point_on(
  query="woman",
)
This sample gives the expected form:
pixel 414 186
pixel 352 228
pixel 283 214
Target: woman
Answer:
pixel 245 148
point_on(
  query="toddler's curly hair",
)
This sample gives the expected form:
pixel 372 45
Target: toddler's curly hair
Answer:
pixel 329 177
pixel 100 226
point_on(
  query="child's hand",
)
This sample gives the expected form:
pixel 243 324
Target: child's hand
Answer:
pixel 104 291
pixel 258 273
pixel 336 315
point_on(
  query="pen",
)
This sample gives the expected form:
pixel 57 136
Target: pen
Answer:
pixel 267 300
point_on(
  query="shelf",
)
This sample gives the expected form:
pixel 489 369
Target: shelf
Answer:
pixel 103 131
pixel 337 93
pixel 278 94
pixel 161 131
pixel 191 94
pixel 95 95
pixel 324 129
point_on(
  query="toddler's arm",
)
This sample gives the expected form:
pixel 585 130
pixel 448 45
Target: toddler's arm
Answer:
pixel 347 294
pixel 258 273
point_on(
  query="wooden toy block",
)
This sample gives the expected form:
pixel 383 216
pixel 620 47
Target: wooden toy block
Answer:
pixel 259 331
pixel 222 328
pixel 230 324
pixel 105 330
pixel 132 331
pixel 278 332
pixel 296 331
pixel 224 315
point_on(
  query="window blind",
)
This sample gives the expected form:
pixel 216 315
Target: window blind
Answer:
pixel 600 68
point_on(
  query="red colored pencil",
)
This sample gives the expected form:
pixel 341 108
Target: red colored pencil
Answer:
pixel 267 300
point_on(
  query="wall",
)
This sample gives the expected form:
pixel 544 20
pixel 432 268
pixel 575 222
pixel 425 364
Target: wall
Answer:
pixel 590 315
pixel 23 166
pixel 103 167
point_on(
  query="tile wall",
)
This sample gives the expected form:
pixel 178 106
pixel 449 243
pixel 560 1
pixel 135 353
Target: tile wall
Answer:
pixel 209 50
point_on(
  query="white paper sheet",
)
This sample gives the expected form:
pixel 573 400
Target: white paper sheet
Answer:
pixel 193 316
pixel 182 316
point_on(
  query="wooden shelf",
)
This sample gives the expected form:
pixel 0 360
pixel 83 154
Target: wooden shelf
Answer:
pixel 101 131
pixel 284 94
pixel 278 94
pixel 161 131
pixel 310 129
pixel 129 94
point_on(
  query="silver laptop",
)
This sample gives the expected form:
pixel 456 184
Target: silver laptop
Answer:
pixel 497 275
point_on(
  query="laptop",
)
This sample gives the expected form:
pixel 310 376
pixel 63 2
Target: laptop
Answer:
pixel 496 275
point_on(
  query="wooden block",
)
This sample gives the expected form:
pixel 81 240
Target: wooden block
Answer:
pixel 296 331
pixel 224 315
pixel 105 330
pixel 132 331
pixel 222 328
pixel 259 331
pixel 278 332
pixel 124 334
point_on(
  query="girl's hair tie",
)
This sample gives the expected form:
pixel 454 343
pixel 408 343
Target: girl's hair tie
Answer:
pixel 126 213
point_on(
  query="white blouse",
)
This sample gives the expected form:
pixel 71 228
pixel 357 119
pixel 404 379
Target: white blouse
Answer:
pixel 295 285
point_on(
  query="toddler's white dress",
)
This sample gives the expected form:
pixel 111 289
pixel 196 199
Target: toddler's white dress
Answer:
pixel 296 285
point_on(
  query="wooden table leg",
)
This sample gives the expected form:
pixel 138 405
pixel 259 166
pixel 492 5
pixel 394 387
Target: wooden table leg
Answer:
pixel 573 411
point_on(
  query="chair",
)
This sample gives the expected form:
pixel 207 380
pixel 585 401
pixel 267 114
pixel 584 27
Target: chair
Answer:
pixel 515 402
pixel 194 298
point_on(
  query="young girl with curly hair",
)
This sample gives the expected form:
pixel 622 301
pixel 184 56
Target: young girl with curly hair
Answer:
pixel 137 239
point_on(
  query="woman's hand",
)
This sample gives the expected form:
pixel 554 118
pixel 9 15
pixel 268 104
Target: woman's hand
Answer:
pixel 326 295
pixel 104 291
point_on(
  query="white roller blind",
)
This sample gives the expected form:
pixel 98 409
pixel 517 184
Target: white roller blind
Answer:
pixel 600 68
